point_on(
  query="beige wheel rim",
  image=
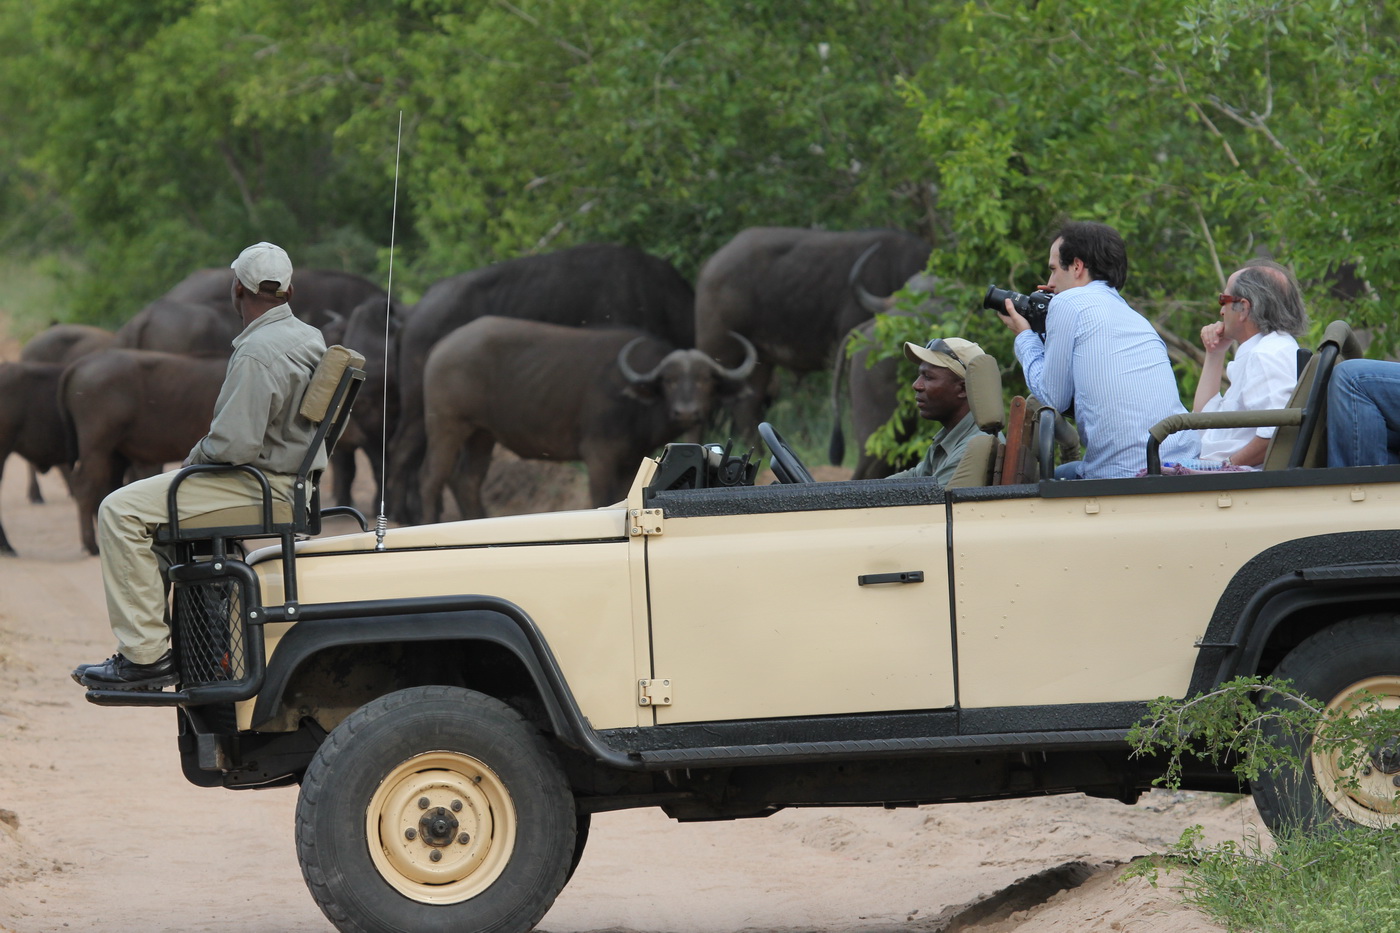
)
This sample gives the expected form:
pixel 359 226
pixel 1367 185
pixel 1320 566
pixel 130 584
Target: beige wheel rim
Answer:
pixel 1372 802
pixel 441 827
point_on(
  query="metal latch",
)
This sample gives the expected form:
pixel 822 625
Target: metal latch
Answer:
pixel 653 693
pixel 643 522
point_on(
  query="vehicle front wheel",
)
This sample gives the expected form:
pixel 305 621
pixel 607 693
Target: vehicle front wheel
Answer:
pixel 1338 666
pixel 435 808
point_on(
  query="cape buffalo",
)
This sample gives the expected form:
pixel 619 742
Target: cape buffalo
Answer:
pixel 874 391
pixel 64 343
pixel 595 284
pixel 603 396
pixel 377 405
pixel 784 288
pixel 319 293
pixel 61 343
pixel 29 421
pixel 132 406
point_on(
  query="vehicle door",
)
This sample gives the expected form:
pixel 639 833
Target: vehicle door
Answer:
pixel 784 601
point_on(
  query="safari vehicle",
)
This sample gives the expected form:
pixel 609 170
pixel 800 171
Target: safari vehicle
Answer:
pixel 457 700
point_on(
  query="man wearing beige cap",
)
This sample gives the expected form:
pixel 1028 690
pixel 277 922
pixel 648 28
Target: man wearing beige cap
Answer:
pixel 255 422
pixel 940 391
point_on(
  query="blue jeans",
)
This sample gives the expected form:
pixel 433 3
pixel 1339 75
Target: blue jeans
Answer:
pixel 1363 413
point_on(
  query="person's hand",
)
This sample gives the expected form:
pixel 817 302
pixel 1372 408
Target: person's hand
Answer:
pixel 1013 319
pixel 1213 338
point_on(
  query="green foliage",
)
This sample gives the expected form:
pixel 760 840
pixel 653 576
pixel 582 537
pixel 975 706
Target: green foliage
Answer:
pixel 1302 884
pixel 1307 882
pixel 1227 725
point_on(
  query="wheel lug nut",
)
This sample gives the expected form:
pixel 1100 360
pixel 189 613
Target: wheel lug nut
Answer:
pixel 410 833
pixel 466 837
pixel 436 855
pixel 422 803
pixel 456 806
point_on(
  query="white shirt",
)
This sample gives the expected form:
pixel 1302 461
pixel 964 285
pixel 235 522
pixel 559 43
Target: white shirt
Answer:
pixel 1262 375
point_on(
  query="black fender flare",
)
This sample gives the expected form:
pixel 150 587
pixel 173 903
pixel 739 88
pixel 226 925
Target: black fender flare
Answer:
pixel 436 618
pixel 1332 569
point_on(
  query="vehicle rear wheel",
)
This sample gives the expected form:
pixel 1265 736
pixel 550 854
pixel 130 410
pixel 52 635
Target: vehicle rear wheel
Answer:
pixel 435 808
pixel 1337 666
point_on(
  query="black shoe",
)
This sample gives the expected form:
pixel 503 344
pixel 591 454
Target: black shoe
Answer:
pixel 80 670
pixel 119 673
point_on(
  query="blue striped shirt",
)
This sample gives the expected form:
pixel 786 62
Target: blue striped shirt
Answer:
pixel 1106 359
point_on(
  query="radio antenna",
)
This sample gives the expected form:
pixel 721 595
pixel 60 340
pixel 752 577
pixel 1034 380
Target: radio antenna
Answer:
pixel 381 521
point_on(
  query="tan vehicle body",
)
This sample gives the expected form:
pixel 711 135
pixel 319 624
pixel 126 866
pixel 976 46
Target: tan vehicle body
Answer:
pixel 457 700
pixel 1080 599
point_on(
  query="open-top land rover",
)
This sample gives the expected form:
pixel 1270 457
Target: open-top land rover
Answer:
pixel 456 700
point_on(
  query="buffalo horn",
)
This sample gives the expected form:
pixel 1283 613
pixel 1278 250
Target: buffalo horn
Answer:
pixel 740 372
pixel 863 297
pixel 630 374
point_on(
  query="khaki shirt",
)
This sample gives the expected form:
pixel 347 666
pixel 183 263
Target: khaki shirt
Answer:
pixel 943 455
pixel 255 418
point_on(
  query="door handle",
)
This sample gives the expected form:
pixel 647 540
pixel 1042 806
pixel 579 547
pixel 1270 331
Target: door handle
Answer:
pixel 901 576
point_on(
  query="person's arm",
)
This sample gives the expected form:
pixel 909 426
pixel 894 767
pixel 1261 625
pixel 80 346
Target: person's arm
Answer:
pixel 241 416
pixel 1251 454
pixel 1049 366
pixel 1215 344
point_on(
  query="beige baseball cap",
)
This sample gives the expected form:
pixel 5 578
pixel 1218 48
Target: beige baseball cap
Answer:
pixel 264 262
pixel 949 352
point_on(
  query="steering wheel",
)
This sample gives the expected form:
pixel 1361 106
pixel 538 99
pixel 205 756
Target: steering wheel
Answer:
pixel 786 467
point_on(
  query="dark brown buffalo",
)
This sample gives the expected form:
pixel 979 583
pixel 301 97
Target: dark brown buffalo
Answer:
pixel 367 332
pixel 169 326
pixel 132 406
pixel 592 285
pixel 197 316
pixel 317 294
pixel 61 343
pixel 604 396
pixel 874 389
pixel 785 289
pixel 29 420
pixel 64 343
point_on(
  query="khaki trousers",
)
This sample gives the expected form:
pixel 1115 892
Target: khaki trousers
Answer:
pixel 132 563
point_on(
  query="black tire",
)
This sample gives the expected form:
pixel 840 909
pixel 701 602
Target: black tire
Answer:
pixel 581 827
pixel 1332 665
pixel 365 840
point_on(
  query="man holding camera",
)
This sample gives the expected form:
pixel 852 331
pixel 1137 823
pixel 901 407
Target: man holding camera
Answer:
pixel 1100 356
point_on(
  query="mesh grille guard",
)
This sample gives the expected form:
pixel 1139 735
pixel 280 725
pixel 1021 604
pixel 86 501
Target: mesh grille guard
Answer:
pixel 216 628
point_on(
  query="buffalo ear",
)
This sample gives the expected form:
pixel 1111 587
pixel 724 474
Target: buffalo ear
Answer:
pixel 641 391
pixel 735 388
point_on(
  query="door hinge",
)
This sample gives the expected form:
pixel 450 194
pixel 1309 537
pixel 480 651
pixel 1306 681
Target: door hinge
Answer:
pixel 654 692
pixel 643 522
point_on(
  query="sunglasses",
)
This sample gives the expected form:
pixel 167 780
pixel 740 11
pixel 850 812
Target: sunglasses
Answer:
pixel 1229 299
pixel 939 345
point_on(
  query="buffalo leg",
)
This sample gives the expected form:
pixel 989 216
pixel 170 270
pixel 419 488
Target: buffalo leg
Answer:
pixel 36 495
pixel 5 549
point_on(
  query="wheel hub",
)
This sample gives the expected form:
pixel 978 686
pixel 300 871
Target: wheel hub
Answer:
pixel 1364 794
pixel 441 827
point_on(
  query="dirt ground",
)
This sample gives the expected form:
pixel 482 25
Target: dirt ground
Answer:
pixel 100 831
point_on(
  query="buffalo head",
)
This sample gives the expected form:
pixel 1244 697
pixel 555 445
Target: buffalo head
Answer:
pixel 688 380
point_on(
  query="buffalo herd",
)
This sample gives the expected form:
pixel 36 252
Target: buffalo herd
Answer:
pixel 600 353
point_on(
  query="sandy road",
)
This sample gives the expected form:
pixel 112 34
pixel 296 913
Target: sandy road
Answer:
pixel 100 831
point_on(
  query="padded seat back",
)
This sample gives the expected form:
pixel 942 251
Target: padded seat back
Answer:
pixel 979 459
pixel 1305 444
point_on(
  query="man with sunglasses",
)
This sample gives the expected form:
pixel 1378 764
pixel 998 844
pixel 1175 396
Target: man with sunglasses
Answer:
pixel 940 391
pixel 1261 311
pixel 1100 356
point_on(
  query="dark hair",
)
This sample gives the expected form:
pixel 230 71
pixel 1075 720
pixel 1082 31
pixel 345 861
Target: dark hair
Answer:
pixel 1275 300
pixel 1098 246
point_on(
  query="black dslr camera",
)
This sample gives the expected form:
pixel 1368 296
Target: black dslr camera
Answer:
pixel 1032 307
